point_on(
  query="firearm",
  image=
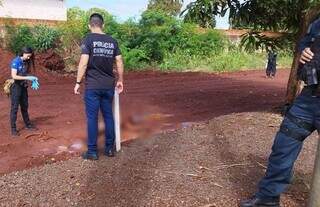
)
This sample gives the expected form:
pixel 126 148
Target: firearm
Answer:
pixel 310 72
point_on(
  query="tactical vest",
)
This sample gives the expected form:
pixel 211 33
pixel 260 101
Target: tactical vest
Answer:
pixel 310 71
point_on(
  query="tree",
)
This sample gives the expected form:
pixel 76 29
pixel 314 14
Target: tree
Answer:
pixel 289 16
pixel 311 12
pixel 75 13
pixel 201 13
pixel 171 7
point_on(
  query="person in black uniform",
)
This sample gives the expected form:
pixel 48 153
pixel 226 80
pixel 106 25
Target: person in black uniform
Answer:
pixel 99 52
pixel 302 119
pixel 20 68
pixel 272 64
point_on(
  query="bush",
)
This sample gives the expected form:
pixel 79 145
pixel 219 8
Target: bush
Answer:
pixel 197 42
pixel 76 26
pixel 74 30
pixel 134 58
pixel 18 37
pixel 40 38
pixel 161 34
pixel 44 37
pixel 157 39
pixel 156 31
pixel 128 33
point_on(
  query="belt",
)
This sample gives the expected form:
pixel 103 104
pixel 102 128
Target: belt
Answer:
pixel 22 83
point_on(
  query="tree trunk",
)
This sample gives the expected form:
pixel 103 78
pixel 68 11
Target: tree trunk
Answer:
pixel 306 19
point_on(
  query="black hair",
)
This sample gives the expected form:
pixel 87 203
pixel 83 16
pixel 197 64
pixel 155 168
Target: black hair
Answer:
pixel 30 62
pixel 96 20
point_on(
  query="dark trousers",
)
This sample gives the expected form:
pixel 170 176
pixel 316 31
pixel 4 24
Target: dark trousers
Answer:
pixel 19 97
pixel 94 101
pixel 302 119
pixel 271 69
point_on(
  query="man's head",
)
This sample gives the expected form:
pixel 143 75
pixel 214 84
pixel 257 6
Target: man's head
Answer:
pixel 96 21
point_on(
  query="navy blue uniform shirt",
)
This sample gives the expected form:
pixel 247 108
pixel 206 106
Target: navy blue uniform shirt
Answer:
pixel 102 50
pixel 312 33
pixel 17 64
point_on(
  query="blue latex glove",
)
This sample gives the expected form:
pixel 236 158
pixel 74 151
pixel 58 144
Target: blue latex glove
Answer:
pixel 35 85
pixel 31 78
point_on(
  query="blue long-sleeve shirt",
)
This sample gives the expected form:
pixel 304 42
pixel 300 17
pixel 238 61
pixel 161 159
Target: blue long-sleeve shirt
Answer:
pixel 312 33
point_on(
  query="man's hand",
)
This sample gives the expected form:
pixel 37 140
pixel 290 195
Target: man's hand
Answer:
pixel 306 55
pixel 84 59
pixel 77 89
pixel 119 87
pixel 120 69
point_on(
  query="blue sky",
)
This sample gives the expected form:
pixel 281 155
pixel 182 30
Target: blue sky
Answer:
pixel 124 9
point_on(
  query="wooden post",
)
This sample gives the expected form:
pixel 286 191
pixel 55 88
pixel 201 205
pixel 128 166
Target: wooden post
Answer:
pixel 116 115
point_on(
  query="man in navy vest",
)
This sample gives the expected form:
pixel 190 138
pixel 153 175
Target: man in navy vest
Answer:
pixel 272 64
pixel 98 54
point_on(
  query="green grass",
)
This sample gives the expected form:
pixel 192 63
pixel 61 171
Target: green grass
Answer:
pixel 223 62
pixel 285 61
pixel 216 63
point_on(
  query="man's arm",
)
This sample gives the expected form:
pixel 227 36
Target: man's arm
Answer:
pixel 120 69
pixel 84 59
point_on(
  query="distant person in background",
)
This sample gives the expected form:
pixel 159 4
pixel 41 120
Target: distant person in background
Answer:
pixel 98 53
pixel 271 64
pixel 20 68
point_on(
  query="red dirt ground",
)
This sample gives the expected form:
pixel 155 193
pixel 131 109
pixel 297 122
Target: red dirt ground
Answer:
pixel 152 102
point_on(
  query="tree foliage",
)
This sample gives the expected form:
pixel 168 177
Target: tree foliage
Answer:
pixel 40 37
pixel 201 13
pixel 256 15
pixel 157 40
pixel 171 7
pixel 148 41
pixel 289 16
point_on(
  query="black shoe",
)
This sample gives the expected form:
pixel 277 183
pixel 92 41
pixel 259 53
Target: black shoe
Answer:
pixel 31 127
pixel 257 202
pixel 110 153
pixel 88 156
pixel 14 132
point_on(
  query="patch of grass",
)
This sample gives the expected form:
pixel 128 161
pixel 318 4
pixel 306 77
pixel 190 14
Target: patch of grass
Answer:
pixel 221 62
pixel 285 60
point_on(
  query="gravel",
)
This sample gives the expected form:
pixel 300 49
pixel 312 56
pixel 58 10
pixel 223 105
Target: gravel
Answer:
pixel 216 164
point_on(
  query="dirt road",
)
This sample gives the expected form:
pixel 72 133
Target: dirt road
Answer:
pixel 152 102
